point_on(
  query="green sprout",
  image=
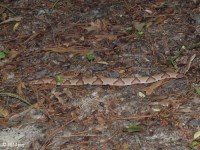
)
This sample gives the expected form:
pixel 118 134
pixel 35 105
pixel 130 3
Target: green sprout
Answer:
pixel 90 56
pixel 140 33
pixel 59 79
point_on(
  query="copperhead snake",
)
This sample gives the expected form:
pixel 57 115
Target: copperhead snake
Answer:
pixel 109 81
pixel 115 81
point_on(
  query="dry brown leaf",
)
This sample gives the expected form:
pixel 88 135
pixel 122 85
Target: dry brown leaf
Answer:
pixel 67 49
pixel 159 19
pixel 57 95
pixel 3 122
pixel 68 92
pixel 98 25
pixel 149 90
pixel 19 88
pixel 101 120
pixel 100 128
pixel 186 110
pixel 88 121
pixel 138 25
pixel 12 55
pixel 3 112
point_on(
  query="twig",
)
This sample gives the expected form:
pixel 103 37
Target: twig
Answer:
pixel 53 133
pixel 55 4
pixel 16 96
pixel 189 63
pixel 173 59
pixel 83 135
pixel 134 117
pixel 195 45
pixel 8 9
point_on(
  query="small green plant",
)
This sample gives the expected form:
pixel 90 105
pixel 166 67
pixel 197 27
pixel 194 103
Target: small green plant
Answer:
pixel 129 29
pixel 197 90
pixel 3 54
pixel 133 128
pixel 172 59
pixel 59 79
pixel 140 33
pixel 165 115
pixel 90 56
pixel 194 144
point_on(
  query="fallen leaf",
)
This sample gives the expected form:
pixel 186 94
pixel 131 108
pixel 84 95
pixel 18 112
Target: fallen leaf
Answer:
pixel 19 88
pixel 121 71
pixel 156 109
pixel 101 120
pixel 125 146
pixel 16 26
pixel 141 94
pixel 185 110
pixel 88 121
pixel 197 135
pixel 68 92
pixel 138 25
pixel 3 112
pixel 98 25
pixel 148 11
pixel 100 128
pixel 102 62
pixel 57 95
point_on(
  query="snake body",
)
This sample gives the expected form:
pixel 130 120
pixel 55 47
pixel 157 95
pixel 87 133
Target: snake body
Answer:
pixel 109 81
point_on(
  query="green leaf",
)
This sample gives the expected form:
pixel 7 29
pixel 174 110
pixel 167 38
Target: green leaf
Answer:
pixel 140 33
pixel 102 62
pixel 197 134
pixel 141 94
pixel 193 144
pixel 129 29
pixel 172 60
pixel 146 27
pixel 59 79
pixel 156 109
pixel 90 56
pixel 133 128
pixel 6 52
pixel 165 115
pixel 197 89
pixel 2 55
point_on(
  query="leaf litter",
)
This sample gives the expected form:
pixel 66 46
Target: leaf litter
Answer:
pixel 126 42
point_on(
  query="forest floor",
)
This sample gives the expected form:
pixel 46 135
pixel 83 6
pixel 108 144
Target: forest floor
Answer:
pixel 116 38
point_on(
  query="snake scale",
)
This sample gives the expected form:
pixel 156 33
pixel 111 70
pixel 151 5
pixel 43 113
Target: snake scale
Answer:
pixel 109 81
